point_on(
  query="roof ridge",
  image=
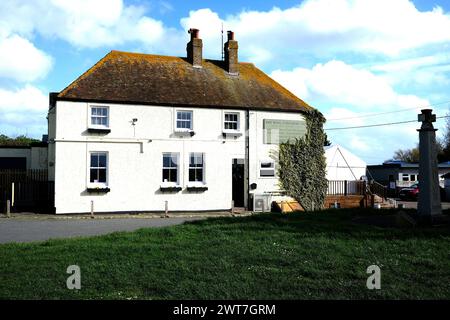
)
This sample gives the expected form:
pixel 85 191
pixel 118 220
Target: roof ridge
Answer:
pixel 87 72
pixel 166 56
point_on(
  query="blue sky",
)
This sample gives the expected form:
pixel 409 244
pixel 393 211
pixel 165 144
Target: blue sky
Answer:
pixel 359 62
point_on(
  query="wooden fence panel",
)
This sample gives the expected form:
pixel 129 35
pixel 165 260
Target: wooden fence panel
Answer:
pixel 32 190
pixel 346 187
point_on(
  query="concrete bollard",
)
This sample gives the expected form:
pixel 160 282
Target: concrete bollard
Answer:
pixel 92 209
pixel 166 210
pixel 8 208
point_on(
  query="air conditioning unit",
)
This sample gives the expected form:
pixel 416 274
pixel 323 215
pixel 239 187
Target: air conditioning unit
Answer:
pixel 261 202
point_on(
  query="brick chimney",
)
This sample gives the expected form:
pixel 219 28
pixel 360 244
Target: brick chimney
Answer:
pixel 194 49
pixel 231 54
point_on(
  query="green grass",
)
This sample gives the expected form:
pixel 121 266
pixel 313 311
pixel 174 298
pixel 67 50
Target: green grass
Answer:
pixel 270 256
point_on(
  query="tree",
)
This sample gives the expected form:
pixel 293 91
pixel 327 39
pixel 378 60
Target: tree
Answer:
pixel 21 140
pixel 444 142
pixel 302 165
pixel 407 155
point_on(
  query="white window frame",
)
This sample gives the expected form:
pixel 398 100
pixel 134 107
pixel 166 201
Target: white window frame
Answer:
pixel 238 122
pixel 405 176
pixel 90 167
pixel 197 183
pixel 191 128
pixel 90 115
pixel 177 162
pixel 273 167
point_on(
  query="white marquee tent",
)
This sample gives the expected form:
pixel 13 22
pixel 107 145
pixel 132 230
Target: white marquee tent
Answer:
pixel 343 165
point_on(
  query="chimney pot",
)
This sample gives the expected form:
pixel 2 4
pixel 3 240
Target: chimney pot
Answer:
pixel 230 35
pixel 194 33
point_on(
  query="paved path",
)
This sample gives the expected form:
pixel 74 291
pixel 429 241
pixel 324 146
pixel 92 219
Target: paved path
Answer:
pixel 40 230
pixel 413 204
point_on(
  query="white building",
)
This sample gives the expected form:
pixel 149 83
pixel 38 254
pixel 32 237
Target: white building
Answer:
pixel 137 130
pixel 343 165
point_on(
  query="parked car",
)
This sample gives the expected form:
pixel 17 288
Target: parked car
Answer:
pixel 410 193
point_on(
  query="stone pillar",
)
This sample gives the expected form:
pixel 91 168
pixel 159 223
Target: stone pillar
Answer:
pixel 429 205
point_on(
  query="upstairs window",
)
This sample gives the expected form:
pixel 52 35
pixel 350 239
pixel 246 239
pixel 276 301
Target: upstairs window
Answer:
pixel 98 168
pixel 170 167
pixel 267 169
pixel 196 167
pixel 231 121
pixel 184 120
pixel 99 117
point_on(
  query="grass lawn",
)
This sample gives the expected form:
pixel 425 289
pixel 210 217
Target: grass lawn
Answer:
pixel 269 256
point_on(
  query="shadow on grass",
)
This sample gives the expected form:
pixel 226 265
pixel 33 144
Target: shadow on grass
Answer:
pixel 336 223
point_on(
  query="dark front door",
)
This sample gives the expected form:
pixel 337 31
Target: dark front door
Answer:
pixel 238 182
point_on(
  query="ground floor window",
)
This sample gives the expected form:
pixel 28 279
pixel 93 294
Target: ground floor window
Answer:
pixel 267 169
pixel 98 167
pixel 170 167
pixel 196 167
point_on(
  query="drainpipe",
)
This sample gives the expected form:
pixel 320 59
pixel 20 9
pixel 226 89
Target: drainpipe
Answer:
pixel 247 164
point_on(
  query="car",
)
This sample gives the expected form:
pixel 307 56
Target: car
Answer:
pixel 409 193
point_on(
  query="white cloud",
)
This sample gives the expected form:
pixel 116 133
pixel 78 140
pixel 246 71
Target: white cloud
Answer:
pixel 83 23
pixel 23 111
pixel 314 26
pixel 26 99
pixel 350 96
pixel 340 83
pixel 329 26
pixel 21 60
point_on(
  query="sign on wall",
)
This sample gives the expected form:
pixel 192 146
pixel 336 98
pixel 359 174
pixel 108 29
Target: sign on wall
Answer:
pixel 280 131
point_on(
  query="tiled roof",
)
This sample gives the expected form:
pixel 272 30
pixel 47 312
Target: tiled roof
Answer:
pixel 122 77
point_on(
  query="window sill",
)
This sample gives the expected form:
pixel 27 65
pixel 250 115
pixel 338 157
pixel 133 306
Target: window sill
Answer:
pixel 99 130
pixel 232 133
pixel 98 189
pixel 196 188
pixel 184 132
pixel 173 188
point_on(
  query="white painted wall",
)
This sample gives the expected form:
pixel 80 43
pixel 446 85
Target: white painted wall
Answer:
pixel 259 151
pixel 135 157
pixel 38 157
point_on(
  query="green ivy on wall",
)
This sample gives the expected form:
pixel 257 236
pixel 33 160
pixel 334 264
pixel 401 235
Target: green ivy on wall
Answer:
pixel 302 164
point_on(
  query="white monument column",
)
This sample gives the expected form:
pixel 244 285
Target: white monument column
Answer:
pixel 429 206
